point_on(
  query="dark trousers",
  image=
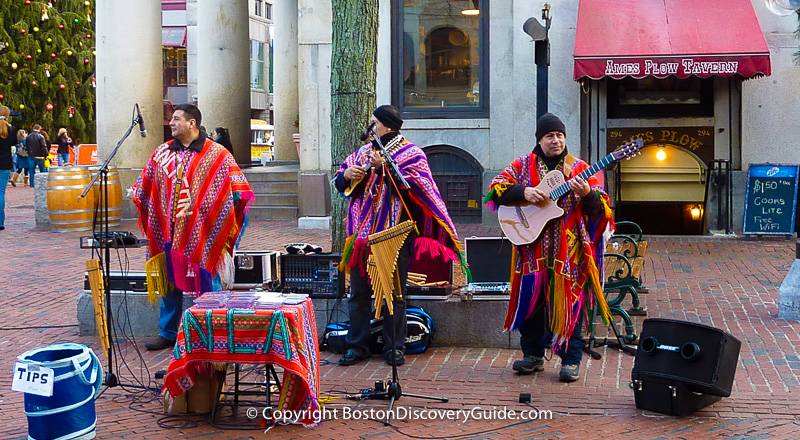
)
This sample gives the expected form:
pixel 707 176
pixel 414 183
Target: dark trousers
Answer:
pixel 361 313
pixel 535 336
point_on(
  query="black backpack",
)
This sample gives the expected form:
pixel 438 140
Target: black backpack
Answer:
pixel 419 333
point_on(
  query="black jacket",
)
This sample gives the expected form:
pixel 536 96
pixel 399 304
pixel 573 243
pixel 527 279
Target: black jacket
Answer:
pixel 37 145
pixel 5 148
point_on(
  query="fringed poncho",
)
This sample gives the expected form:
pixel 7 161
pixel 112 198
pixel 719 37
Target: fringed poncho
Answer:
pixel 375 206
pixel 190 235
pixel 563 266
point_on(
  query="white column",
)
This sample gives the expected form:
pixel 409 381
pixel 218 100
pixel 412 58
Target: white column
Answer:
pixel 286 109
pixel 223 70
pixel 129 70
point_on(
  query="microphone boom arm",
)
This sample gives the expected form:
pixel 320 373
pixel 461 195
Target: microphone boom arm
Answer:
pixel 389 161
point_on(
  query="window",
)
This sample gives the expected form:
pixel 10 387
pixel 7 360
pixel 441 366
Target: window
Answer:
pixel 259 8
pixel 174 61
pixel 653 97
pixel 256 65
pixel 441 52
pixel 268 10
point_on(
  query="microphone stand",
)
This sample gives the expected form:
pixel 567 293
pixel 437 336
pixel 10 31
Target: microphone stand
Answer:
pixel 104 245
pixel 392 389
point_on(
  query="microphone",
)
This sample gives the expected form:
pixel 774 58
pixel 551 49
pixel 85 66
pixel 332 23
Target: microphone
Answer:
pixel 140 121
pixel 365 135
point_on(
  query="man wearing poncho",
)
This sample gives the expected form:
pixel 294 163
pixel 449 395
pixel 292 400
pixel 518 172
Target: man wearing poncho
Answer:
pixel 555 281
pixel 375 206
pixel 192 200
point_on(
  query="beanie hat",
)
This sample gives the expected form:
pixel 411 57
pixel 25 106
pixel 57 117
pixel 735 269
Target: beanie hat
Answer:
pixel 548 122
pixel 389 116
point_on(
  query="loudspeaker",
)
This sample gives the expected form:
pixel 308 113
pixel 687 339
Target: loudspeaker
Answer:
pixel 701 357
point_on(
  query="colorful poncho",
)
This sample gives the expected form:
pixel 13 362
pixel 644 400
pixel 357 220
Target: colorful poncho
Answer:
pixel 375 206
pixel 563 266
pixel 194 232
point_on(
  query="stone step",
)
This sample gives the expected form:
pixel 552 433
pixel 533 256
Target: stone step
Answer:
pixel 276 199
pixel 265 212
pixel 285 187
pixel 271 176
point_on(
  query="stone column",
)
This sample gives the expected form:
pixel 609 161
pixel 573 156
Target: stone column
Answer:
pixel 286 109
pixel 223 70
pixel 129 70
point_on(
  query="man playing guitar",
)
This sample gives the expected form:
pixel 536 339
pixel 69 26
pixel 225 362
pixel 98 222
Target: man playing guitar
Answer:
pixel 555 279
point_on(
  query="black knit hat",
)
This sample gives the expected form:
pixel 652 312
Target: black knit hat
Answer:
pixel 548 122
pixel 389 116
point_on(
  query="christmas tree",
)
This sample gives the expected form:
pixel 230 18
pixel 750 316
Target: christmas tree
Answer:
pixel 47 61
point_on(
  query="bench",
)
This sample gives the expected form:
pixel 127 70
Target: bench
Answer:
pixel 628 241
pixel 621 281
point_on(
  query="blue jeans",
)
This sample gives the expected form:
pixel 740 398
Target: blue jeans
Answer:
pixel 32 170
pixel 171 309
pixel 535 336
pixel 4 175
pixel 63 159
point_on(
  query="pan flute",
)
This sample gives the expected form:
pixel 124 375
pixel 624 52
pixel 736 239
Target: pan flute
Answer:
pixel 382 264
pixel 98 301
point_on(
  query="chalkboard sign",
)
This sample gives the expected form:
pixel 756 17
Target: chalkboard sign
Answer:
pixel 769 206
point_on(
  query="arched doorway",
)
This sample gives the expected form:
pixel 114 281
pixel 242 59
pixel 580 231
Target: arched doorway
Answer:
pixel 458 176
pixel 663 190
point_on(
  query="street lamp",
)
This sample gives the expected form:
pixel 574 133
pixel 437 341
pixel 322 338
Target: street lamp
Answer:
pixel 541 55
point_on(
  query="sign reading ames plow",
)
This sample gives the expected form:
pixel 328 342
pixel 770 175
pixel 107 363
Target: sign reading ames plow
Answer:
pixel 662 67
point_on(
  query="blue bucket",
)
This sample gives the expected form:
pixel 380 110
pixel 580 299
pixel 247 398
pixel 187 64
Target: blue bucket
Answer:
pixel 69 414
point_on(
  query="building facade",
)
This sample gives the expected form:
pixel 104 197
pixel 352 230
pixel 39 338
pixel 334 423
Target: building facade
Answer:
pixel 463 73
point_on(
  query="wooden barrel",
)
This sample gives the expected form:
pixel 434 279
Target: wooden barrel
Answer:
pixel 68 211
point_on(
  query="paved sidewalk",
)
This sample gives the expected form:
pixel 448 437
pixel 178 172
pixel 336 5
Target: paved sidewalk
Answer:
pixel 731 284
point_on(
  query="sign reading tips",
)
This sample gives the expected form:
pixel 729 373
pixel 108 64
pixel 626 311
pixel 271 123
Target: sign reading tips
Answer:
pixel 33 379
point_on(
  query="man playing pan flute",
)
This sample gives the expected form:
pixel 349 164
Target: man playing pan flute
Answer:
pixel 377 203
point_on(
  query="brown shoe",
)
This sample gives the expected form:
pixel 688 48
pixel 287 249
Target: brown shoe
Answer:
pixel 158 343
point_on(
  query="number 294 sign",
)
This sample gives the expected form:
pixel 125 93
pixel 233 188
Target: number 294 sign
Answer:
pixel 33 379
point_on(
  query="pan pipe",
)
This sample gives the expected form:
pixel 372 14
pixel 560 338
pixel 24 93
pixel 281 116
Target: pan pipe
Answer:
pixel 98 301
pixel 382 264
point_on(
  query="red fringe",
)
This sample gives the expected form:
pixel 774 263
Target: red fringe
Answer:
pixel 359 256
pixel 434 249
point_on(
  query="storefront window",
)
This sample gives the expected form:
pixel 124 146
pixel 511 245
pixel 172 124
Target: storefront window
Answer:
pixel 174 60
pixel 653 97
pixel 256 65
pixel 440 50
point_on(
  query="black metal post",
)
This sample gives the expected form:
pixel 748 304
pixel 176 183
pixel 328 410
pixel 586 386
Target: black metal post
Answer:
pixel 542 59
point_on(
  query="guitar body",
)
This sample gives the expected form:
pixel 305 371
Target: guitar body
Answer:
pixel 524 223
pixel 352 187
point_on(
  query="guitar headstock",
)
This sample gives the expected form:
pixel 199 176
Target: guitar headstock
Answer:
pixel 628 149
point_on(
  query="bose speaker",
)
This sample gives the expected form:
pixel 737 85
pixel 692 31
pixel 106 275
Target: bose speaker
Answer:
pixel 700 356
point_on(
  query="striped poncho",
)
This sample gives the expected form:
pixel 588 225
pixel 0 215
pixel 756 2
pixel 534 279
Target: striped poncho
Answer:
pixel 375 206
pixel 192 234
pixel 562 267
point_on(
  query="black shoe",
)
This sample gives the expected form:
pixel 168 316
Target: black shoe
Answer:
pixel 398 359
pixel 158 343
pixel 351 357
pixel 2 228
pixel 528 365
pixel 569 373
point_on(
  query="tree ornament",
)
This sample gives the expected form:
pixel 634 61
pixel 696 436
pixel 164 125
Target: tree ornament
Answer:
pixel 23 31
pixel 34 83
pixel 62 87
pixel 71 110
pixel 86 61
pixel 2 98
pixel 36 28
pixel 87 3
pixel 39 50
pixel 49 107
pixel 76 20
pixel 14 66
pixel 47 70
pixel 61 26
pixel 77 83
pixel 27 2
pixel 45 17
pixel 22 106
pixel 49 40
pixel 88 36
pixel 89 18
pixel 53 55
pixel 28 57
pixel 94 52
pixel 69 53
pixel 94 81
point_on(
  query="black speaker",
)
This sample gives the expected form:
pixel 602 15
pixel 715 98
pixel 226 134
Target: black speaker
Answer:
pixel 701 357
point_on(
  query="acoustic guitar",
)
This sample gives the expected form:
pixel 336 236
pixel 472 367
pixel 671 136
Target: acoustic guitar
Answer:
pixel 523 223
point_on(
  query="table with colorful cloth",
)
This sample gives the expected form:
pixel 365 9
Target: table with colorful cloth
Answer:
pixel 286 337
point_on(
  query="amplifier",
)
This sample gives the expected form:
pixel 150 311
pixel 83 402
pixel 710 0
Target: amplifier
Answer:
pixel 255 269
pixel 314 274
pixel 489 260
pixel 132 281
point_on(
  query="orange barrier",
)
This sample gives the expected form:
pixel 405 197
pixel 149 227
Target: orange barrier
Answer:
pixel 87 154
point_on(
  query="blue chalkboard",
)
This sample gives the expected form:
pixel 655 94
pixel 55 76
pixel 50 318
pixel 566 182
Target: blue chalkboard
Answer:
pixel 770 199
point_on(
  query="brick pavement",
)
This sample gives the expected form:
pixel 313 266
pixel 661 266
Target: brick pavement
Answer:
pixel 731 284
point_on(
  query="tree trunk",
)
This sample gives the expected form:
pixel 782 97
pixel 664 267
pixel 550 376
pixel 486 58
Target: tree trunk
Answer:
pixel 353 72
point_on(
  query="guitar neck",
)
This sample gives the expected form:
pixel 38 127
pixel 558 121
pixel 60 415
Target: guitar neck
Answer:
pixel 564 188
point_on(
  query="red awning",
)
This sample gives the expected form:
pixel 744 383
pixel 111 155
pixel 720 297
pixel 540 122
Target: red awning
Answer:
pixel 661 38
pixel 173 36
